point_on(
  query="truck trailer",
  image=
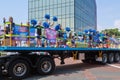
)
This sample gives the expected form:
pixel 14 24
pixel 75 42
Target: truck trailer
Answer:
pixel 19 62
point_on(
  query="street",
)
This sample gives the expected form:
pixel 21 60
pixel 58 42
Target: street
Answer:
pixel 76 70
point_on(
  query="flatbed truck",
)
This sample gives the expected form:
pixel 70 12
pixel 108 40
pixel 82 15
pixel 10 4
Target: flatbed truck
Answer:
pixel 21 61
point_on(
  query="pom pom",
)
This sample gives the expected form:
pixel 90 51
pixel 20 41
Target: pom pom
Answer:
pixel 68 29
pixel 90 30
pixel 57 27
pixel 46 25
pixel 86 31
pixel 94 31
pixel 55 18
pixel 47 16
pixel 33 22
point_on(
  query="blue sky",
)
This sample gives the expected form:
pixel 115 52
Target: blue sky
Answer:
pixel 108 15
pixel 18 9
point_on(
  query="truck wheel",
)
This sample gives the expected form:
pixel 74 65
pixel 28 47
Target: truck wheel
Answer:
pixel 18 69
pixel 46 66
pixel 117 57
pixel 0 71
pixel 104 58
pixel 111 58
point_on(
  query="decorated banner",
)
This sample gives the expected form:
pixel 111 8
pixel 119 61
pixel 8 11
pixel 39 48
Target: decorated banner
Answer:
pixel 23 33
pixel 16 32
pixel 32 33
pixel 23 29
pixel 51 35
pixel 16 29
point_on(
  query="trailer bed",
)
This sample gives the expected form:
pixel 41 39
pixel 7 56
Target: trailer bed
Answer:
pixel 14 49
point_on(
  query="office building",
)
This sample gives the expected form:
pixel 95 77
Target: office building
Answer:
pixel 77 14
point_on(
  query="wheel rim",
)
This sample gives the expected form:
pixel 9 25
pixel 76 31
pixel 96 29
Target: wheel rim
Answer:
pixel 46 66
pixel 19 69
pixel 111 58
pixel 117 57
pixel 104 59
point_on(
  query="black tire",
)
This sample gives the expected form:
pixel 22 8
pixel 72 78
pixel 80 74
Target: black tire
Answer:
pixel 1 75
pixel 46 62
pixel 110 58
pixel 0 71
pixel 18 69
pixel 104 58
pixel 117 57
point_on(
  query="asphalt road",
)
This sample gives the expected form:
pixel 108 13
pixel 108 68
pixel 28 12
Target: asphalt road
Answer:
pixel 76 70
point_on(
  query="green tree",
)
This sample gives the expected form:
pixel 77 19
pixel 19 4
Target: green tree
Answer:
pixel 111 32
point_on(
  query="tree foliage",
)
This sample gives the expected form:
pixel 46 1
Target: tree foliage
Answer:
pixel 111 32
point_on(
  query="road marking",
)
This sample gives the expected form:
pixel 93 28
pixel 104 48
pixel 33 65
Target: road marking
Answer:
pixel 114 66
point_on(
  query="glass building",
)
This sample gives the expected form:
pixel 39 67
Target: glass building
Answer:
pixel 77 14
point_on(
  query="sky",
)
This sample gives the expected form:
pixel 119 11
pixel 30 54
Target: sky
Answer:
pixel 108 13
pixel 18 9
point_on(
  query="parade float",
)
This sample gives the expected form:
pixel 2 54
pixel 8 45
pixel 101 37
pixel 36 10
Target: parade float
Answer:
pixel 22 53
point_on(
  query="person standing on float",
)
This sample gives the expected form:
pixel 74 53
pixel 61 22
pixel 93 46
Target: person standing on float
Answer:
pixel 10 30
